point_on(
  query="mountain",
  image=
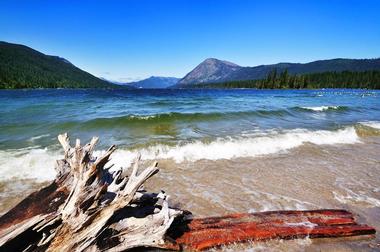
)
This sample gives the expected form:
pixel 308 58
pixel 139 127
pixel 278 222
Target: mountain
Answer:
pixel 155 82
pixel 210 70
pixel 222 73
pixel 24 67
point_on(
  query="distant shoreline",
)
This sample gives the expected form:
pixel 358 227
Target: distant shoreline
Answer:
pixel 185 88
pixel 23 67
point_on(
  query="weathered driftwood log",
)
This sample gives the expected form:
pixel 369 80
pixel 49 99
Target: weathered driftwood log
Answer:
pixel 203 233
pixel 89 208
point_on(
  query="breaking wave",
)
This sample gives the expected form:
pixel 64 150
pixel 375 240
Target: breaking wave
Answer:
pixel 183 117
pixel 39 163
pixel 325 108
pixel 144 120
pixel 230 148
pixel 371 124
pixel 369 128
pixel 28 163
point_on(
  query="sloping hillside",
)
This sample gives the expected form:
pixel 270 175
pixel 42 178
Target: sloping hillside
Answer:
pixel 23 67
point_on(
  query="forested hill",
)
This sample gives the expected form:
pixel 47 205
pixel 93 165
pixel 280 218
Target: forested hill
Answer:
pixel 284 80
pixel 319 66
pixel 23 67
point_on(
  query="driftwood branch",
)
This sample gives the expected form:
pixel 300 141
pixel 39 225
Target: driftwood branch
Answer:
pixel 89 208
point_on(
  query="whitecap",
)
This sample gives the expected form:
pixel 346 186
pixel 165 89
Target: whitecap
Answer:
pixel 321 108
pixel 372 124
pixel 39 163
pixel 32 139
pixel 237 147
pixel 35 164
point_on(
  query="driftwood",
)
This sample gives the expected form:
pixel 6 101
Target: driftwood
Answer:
pixel 89 208
pixel 203 233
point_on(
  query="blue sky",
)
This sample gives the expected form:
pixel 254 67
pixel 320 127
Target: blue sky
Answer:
pixel 125 40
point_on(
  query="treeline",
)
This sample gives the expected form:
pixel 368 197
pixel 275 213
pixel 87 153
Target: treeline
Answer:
pixel 284 80
pixel 23 67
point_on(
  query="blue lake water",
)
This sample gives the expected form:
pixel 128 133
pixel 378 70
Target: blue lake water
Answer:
pixel 180 125
pixel 136 118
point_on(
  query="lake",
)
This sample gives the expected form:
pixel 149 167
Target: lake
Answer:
pixel 220 151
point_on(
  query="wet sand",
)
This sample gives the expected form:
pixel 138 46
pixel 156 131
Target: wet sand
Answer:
pixel 309 177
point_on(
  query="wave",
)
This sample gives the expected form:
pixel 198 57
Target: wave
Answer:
pixel 28 163
pixel 133 120
pixel 39 163
pixel 230 148
pixel 171 117
pixel 371 124
pixel 32 139
pixel 324 108
pixel 368 129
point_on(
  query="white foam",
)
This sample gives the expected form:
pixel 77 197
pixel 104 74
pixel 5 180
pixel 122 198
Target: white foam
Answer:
pixel 321 108
pixel 372 124
pixel 353 198
pixel 28 164
pixel 144 117
pixel 271 202
pixel 243 146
